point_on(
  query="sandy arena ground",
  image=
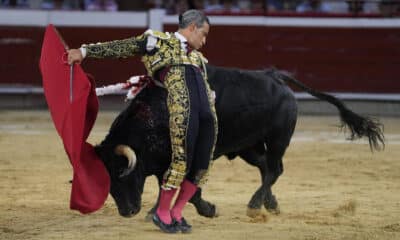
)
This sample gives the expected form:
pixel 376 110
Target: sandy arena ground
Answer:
pixel 331 189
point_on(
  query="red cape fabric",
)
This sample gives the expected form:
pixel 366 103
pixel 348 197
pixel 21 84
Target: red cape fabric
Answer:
pixel 74 121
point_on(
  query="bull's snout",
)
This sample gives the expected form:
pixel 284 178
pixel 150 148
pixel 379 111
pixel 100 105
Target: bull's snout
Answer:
pixel 128 212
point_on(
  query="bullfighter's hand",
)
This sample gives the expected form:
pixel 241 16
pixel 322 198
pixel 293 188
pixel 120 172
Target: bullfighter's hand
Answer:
pixel 74 56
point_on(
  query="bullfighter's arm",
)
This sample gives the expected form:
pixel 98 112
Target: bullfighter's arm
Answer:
pixel 116 49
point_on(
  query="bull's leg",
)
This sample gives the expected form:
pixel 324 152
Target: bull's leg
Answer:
pixel 274 170
pixel 152 211
pixel 264 195
pixel 203 207
pixel 271 168
pixel 256 156
pixel 269 162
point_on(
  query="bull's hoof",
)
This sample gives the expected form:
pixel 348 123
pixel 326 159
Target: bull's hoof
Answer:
pixel 207 210
pixel 253 212
pixel 271 205
pixel 210 213
pixel 275 211
pixel 216 214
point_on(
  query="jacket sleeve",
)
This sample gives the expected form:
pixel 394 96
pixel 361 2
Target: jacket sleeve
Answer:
pixel 117 49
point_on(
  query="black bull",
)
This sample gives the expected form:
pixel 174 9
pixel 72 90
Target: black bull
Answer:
pixel 257 114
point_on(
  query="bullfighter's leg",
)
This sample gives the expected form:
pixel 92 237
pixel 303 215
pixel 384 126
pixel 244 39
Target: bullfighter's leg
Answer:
pixel 205 144
pixel 200 137
pixel 203 207
pixel 179 112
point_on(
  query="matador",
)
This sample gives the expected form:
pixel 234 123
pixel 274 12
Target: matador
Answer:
pixel 174 60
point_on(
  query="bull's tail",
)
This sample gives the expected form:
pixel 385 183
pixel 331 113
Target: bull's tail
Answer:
pixel 359 126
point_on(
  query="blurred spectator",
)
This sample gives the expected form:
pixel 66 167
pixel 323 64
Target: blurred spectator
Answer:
pixel 57 4
pixel 34 4
pixel 322 6
pixel 176 6
pixel 386 7
pixel 100 5
pixel 361 6
pixel 154 3
pixel 258 6
pixel 274 5
pixel 230 6
pixel 313 6
pixel 48 4
pixel 15 3
pixel 244 5
pixel 169 6
pixel 281 5
pixel 336 6
pixel 196 4
pixel 181 6
pixel 213 6
pixel 72 4
pixel 129 5
pixel 371 7
pixel 389 8
pixel 355 6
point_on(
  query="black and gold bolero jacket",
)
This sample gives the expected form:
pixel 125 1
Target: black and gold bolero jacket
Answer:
pixel 158 50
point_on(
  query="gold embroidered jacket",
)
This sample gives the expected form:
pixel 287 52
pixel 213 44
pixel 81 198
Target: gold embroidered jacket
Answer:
pixel 157 49
pixel 160 50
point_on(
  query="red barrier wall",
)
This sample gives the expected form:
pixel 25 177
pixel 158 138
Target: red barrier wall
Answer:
pixel 329 59
pixel 19 55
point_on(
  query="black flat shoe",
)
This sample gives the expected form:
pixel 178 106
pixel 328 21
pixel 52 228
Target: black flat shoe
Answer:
pixel 167 228
pixel 183 226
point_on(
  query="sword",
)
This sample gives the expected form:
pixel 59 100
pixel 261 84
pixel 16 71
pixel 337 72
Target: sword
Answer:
pixel 71 82
pixel 71 69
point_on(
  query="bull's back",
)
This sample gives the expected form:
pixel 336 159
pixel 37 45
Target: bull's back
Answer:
pixel 250 104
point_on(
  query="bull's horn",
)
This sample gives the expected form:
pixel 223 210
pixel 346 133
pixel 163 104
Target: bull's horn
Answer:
pixel 124 150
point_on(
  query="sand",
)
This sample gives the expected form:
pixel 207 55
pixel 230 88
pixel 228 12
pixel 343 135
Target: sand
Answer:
pixel 330 189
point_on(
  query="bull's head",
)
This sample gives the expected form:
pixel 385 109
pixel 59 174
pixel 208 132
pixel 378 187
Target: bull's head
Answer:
pixel 126 175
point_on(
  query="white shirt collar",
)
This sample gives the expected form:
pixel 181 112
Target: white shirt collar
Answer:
pixel 183 40
pixel 180 37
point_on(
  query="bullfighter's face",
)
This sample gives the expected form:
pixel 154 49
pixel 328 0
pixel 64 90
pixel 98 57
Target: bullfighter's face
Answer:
pixel 198 35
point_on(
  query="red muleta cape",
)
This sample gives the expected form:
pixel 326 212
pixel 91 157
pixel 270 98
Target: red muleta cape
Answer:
pixel 74 119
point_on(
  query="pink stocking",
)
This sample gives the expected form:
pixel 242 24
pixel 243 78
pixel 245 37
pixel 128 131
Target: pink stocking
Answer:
pixel 187 191
pixel 164 204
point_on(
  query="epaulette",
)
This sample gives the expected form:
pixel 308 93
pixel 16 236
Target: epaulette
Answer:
pixel 158 34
